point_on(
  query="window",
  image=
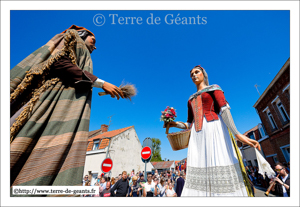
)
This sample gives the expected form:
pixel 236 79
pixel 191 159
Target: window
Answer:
pixel 261 130
pixel 96 145
pixel 271 119
pixel 287 89
pixel 282 111
pixel 286 152
pixel 251 135
pixel 275 158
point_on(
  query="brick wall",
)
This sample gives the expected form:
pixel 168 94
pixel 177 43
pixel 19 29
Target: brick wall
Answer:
pixel 275 90
pixel 279 142
pixel 257 135
pixel 281 136
pixel 267 147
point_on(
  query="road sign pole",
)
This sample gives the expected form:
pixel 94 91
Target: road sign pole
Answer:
pixel 147 143
pixel 107 152
pixel 146 156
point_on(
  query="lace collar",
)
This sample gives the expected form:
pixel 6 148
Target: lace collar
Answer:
pixel 208 88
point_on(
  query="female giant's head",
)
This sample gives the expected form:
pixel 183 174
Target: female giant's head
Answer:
pixel 199 75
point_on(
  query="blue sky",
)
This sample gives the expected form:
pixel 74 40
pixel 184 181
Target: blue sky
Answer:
pixel 238 49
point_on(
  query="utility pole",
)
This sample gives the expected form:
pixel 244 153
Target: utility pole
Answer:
pixel 256 88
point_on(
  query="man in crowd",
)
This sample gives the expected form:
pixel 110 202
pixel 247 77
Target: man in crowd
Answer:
pixel 180 184
pixel 121 186
pixel 103 183
pixel 149 188
pixel 85 178
pixel 106 192
pixel 282 185
pixel 141 180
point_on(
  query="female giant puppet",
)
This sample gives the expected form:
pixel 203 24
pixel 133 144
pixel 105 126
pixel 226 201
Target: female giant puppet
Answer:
pixel 50 110
pixel 214 165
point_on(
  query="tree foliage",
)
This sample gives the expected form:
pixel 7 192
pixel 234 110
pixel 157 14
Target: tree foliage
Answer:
pixel 156 157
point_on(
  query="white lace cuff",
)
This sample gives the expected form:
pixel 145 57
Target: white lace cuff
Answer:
pixel 98 83
pixel 181 125
pixel 224 107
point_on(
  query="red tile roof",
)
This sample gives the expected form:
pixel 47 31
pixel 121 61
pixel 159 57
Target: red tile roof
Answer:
pixel 162 165
pixel 104 142
pixel 94 133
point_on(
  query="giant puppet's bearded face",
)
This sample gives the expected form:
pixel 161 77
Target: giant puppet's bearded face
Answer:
pixel 90 42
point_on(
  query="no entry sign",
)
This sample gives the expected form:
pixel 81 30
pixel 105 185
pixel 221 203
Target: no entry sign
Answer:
pixel 146 153
pixel 106 165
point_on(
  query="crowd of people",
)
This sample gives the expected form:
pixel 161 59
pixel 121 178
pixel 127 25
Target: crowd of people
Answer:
pixel 170 183
pixel 140 184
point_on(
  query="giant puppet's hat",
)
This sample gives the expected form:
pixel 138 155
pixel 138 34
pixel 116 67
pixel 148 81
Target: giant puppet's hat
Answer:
pixel 77 28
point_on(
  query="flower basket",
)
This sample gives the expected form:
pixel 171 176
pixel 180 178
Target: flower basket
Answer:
pixel 178 140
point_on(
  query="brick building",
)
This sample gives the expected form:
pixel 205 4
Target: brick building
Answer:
pixel 273 108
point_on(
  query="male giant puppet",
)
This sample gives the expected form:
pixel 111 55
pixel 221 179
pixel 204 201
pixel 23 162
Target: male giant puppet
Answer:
pixel 50 110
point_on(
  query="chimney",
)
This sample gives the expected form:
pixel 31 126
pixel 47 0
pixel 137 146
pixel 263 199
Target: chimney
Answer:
pixel 104 128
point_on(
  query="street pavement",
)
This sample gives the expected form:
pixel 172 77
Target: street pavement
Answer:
pixel 260 192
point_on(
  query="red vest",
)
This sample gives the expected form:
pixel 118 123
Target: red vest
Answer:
pixel 206 104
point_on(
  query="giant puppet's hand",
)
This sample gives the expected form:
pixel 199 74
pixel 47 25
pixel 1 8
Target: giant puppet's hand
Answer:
pixel 177 124
pixel 112 90
pixel 245 140
pixel 171 124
